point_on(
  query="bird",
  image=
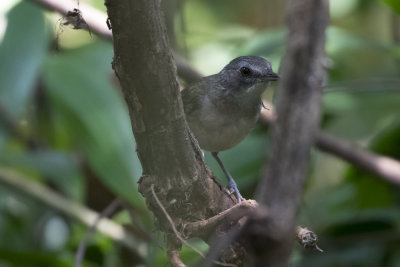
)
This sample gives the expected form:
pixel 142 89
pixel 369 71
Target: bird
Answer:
pixel 222 109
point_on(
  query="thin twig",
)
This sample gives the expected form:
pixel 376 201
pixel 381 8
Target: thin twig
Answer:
pixel 94 18
pixel 177 233
pixel 232 215
pixel 116 203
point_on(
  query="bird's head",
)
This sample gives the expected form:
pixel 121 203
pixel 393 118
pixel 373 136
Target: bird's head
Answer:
pixel 244 74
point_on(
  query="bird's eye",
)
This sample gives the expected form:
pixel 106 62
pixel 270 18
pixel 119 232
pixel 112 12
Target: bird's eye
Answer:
pixel 245 71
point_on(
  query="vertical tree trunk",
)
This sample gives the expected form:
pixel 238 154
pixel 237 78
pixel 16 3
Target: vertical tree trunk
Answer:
pixel 293 133
pixel 170 156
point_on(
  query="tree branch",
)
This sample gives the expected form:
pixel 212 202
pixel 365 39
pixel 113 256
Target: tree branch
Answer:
pixel 169 154
pixel 173 253
pixel 280 190
pixel 95 19
pixel 206 228
pixel 382 166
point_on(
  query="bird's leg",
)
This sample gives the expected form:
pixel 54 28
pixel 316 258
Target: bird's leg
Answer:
pixel 232 187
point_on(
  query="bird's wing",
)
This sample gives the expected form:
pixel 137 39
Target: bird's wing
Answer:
pixel 191 98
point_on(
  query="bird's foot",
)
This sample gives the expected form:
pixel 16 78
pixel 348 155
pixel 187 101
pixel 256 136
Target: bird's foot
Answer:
pixel 232 187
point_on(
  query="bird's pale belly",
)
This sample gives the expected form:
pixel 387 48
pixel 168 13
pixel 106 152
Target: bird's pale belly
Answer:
pixel 221 133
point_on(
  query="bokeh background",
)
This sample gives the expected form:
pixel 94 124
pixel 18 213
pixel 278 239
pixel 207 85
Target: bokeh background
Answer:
pixel 64 125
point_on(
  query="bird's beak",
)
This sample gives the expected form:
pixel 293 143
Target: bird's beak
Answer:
pixel 272 76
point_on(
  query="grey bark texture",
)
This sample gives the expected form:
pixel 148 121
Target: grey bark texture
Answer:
pixel 293 134
pixel 170 156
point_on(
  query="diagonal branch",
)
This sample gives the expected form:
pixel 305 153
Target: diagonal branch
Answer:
pixel 384 167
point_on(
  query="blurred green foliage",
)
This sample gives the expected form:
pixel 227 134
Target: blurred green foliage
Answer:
pixel 90 109
pixel 394 4
pixel 21 54
pixel 64 124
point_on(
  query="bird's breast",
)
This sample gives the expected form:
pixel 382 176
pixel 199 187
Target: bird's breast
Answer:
pixel 219 129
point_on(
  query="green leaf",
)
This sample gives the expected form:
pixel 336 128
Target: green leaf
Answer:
pixel 95 115
pixel 22 52
pixel 394 4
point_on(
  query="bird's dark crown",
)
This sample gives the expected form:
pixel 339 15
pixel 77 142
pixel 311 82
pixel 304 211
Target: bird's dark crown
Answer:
pixel 248 70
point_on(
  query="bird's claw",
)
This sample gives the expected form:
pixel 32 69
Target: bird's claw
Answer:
pixel 232 187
